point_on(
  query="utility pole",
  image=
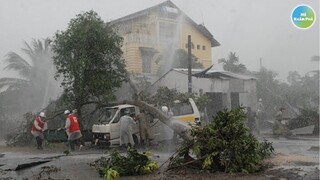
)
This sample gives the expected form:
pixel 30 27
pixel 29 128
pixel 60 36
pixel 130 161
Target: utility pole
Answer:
pixel 260 63
pixel 189 65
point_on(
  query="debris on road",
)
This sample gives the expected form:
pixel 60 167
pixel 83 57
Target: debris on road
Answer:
pixel 134 163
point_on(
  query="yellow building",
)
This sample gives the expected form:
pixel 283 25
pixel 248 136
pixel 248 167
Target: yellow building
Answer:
pixel 152 35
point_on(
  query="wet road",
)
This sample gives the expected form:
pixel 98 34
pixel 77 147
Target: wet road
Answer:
pixel 299 152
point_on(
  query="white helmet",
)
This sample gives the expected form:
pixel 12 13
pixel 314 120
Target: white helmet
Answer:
pixel 260 100
pixel 164 109
pixel 42 114
pixel 66 112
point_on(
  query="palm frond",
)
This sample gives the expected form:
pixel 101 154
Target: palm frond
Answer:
pixel 13 83
pixel 29 51
pixel 37 46
pixel 47 42
pixel 16 62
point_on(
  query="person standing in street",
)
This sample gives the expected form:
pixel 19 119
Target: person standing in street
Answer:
pixel 144 128
pixel 126 123
pixel 38 127
pixel 72 128
pixel 261 115
pixel 252 124
pixel 279 128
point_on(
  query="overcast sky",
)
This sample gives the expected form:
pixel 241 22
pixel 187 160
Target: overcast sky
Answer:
pixel 253 29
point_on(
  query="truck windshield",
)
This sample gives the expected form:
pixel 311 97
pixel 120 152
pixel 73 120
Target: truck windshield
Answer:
pixel 107 115
pixel 184 108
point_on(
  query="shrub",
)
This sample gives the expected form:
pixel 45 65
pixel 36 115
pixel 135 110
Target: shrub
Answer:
pixel 22 135
pixel 307 117
pixel 133 164
pixel 225 144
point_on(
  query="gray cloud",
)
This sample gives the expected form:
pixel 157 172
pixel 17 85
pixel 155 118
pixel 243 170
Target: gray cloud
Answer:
pixel 252 28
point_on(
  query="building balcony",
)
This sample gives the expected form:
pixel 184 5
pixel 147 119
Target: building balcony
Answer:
pixel 152 41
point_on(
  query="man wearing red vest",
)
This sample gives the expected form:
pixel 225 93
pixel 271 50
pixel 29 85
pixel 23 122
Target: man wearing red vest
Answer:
pixel 73 130
pixel 39 125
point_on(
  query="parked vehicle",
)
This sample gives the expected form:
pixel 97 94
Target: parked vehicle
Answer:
pixel 107 129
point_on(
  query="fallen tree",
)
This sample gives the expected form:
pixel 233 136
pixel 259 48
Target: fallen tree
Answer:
pixel 183 129
pixel 225 145
pixel 21 136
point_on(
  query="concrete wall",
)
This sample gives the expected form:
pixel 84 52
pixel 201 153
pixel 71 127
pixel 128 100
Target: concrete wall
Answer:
pixel 250 86
pixel 245 88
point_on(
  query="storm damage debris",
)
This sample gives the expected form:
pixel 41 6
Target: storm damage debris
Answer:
pixel 224 145
pixel 26 165
pixel 134 163
pixel 46 171
pixel 314 148
pixel 16 166
pixel 182 129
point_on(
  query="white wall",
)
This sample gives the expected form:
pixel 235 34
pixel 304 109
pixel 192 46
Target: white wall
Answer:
pixel 246 88
pixel 251 87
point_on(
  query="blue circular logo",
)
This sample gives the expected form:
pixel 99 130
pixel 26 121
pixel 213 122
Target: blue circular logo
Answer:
pixel 303 17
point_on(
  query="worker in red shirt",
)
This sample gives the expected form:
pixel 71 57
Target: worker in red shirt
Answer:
pixel 73 130
pixel 38 127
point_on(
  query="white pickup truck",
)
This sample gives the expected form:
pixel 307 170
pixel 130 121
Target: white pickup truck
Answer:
pixel 107 130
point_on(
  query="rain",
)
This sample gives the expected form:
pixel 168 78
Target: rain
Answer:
pixel 253 67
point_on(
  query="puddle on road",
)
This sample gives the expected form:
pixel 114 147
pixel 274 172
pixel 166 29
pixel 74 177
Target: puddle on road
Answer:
pixel 314 148
pixel 285 160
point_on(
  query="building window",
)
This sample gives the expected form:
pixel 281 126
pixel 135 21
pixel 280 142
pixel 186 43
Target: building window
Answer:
pixel 203 47
pixel 198 46
pixel 146 63
pixel 147 55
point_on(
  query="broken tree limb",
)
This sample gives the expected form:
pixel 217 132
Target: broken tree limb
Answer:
pixel 189 162
pixel 179 127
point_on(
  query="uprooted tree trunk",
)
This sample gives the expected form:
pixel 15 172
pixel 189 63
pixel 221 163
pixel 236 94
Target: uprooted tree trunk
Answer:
pixel 180 128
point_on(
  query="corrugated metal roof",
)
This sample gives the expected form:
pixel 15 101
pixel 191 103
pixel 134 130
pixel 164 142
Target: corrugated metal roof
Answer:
pixel 211 73
pixel 208 73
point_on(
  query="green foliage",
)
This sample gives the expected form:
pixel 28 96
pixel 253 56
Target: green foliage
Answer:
pixel 232 64
pixel 132 164
pixel 88 56
pixel 226 145
pixel 268 88
pixel 111 174
pixel 180 60
pixel 166 96
pixel 307 117
pixel 140 84
pixel 201 101
pixel 302 91
pixel 26 92
pixel 22 135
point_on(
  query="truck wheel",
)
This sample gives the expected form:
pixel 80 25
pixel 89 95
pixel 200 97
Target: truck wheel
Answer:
pixel 135 139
